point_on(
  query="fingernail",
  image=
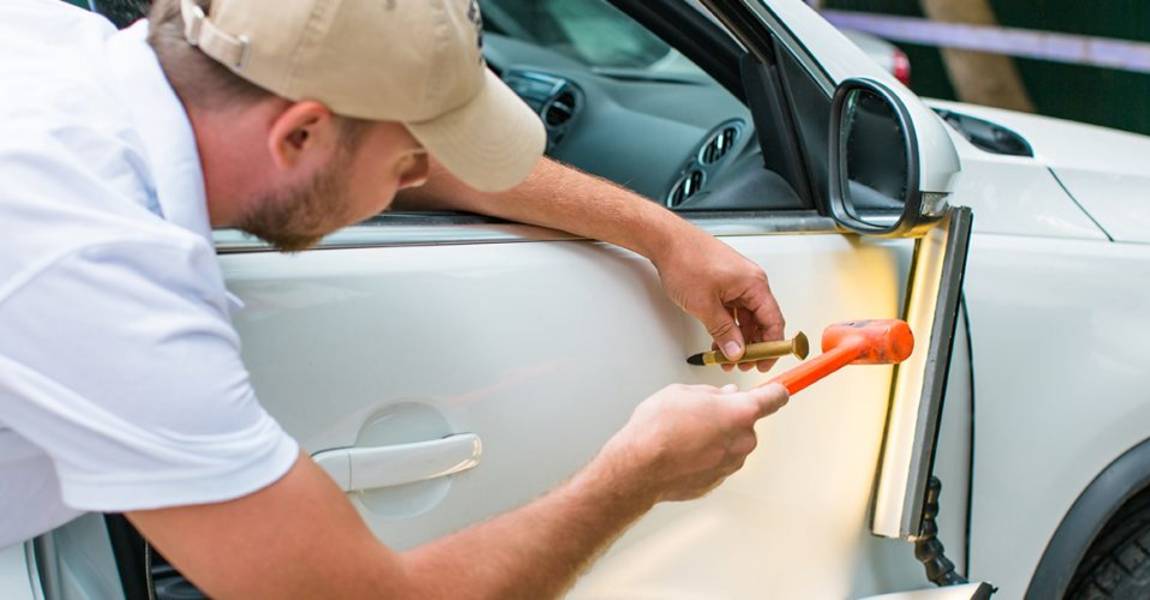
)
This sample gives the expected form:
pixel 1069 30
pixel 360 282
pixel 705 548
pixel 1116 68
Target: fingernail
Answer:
pixel 732 350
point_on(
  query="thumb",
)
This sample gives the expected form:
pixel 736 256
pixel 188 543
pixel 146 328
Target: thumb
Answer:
pixel 720 323
pixel 770 397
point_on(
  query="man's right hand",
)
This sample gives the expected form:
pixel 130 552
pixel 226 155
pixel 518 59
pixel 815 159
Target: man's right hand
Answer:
pixel 686 439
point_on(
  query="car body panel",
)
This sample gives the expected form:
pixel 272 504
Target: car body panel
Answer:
pixel 15 573
pixel 1014 195
pixel 1107 171
pixel 1060 143
pixel 1017 196
pixel 1060 382
pixel 543 349
pixel 1120 202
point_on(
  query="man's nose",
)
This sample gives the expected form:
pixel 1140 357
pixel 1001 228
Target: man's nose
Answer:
pixel 416 175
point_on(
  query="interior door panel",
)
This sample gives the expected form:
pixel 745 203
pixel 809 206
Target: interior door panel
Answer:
pixel 542 349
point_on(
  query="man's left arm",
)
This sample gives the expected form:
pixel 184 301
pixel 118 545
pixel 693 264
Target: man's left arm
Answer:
pixel 708 279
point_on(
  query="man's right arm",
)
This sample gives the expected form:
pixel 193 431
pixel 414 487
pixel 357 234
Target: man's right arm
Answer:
pixel 300 537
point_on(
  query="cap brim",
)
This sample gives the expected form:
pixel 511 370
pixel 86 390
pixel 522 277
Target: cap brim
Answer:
pixel 491 143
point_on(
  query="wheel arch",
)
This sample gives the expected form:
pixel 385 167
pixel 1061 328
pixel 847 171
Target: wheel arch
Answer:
pixel 1113 487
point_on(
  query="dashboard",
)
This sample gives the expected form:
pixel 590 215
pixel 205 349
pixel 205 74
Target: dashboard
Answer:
pixel 677 138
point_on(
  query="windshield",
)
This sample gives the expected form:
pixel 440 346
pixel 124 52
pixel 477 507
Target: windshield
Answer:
pixel 590 31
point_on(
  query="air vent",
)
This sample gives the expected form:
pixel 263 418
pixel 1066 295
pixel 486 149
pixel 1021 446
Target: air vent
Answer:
pixel 560 109
pixel 719 145
pixel 688 185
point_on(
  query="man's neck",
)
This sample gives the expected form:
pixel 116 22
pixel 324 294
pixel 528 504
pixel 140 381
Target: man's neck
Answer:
pixel 233 157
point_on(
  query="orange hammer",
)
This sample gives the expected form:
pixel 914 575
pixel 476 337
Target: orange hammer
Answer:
pixel 874 342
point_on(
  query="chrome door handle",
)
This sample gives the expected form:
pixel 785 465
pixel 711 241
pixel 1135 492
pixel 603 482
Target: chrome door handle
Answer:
pixel 357 469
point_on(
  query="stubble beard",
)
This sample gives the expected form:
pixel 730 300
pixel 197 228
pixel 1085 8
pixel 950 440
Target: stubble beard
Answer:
pixel 296 219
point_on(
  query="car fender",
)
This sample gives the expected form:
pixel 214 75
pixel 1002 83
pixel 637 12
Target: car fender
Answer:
pixel 1113 487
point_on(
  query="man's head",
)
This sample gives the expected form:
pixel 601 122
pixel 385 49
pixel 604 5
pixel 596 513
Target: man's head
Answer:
pixel 310 115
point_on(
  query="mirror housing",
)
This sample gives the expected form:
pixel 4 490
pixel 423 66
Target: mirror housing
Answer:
pixel 891 165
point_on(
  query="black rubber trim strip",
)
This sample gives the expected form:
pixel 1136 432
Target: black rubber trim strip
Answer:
pixel 815 194
pixel 128 550
pixel 1120 481
pixel 692 34
pixel 746 26
pixel 967 518
pixel 770 106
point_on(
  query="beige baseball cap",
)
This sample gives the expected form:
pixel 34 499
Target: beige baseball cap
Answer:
pixel 417 62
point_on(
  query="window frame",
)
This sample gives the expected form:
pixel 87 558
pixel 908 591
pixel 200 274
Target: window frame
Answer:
pixel 697 35
pixel 440 229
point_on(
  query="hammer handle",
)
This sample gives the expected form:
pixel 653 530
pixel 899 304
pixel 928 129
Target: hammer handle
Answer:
pixel 806 373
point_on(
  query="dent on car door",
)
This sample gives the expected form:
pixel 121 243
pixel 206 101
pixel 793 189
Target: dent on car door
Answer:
pixel 411 329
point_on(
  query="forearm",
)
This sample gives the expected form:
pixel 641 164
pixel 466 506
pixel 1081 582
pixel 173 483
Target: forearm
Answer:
pixel 536 551
pixel 561 197
pixel 301 538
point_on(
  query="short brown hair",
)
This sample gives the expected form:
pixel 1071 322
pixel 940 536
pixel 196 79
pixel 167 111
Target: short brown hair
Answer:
pixel 199 80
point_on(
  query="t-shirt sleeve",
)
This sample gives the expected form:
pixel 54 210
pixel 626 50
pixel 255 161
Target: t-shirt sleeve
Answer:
pixel 119 360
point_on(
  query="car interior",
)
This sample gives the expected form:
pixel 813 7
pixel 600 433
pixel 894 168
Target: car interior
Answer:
pixel 620 102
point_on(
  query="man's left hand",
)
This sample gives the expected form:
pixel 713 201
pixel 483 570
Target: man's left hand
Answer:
pixel 704 276
pixel 723 289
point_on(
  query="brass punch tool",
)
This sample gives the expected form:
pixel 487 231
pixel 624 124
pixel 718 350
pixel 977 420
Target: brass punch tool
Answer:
pixel 798 346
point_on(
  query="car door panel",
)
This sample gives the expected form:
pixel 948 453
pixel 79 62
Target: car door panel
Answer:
pixel 15 574
pixel 542 349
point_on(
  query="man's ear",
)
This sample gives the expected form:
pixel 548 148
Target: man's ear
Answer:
pixel 304 134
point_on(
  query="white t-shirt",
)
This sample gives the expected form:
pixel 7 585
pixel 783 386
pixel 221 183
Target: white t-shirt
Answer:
pixel 121 383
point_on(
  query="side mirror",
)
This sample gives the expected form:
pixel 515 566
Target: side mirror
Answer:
pixel 875 164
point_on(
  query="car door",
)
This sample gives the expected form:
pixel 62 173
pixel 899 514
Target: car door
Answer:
pixel 447 368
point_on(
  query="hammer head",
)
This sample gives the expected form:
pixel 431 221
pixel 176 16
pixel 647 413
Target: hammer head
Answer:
pixel 879 341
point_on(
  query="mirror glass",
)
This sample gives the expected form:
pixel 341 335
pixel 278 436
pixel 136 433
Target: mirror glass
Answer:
pixel 877 166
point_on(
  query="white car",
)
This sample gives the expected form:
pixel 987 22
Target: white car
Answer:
pixel 446 367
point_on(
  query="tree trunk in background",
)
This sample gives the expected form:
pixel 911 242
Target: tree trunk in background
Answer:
pixel 978 77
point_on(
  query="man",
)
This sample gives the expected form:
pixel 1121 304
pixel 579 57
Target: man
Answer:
pixel 121 386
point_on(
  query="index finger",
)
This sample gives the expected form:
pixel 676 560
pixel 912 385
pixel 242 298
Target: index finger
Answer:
pixel 755 331
pixel 767 313
pixel 769 317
